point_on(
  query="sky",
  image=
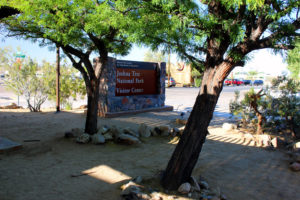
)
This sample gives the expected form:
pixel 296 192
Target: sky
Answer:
pixel 261 61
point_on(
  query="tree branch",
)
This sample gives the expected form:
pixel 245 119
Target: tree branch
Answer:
pixel 79 67
pixel 269 42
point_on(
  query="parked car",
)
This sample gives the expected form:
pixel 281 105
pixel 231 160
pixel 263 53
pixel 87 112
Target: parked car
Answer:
pixel 247 82
pixel 233 82
pixel 258 82
pixel 172 82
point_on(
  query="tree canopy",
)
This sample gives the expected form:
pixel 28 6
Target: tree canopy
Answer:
pixel 231 29
pixel 80 28
pixel 293 60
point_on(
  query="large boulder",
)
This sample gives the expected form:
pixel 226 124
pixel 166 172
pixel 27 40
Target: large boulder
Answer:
pixel 98 139
pixel 144 130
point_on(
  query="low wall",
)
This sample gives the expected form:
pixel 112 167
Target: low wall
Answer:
pixel 131 86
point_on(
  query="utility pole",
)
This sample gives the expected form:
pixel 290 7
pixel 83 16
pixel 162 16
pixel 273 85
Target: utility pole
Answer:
pixel 57 79
pixel 169 66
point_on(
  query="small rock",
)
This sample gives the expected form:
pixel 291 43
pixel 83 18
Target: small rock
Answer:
pixel 203 185
pixel 194 184
pixel 127 139
pixel 263 140
pixel 108 136
pixel 165 130
pixel 184 188
pixel 181 121
pixel 138 179
pixel 144 130
pixel 155 196
pixel 228 126
pixel 295 166
pixel 181 129
pixel 130 187
pixel 252 143
pixel 143 196
pixel 296 146
pixel 103 130
pixel 175 131
pixel 114 132
pixel 129 131
pixel 84 138
pixel 247 138
pixel 278 143
pixel 98 139
pixel 155 131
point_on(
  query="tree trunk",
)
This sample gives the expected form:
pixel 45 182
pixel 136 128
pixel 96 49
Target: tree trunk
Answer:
pixel 185 156
pixel 260 120
pixel 92 107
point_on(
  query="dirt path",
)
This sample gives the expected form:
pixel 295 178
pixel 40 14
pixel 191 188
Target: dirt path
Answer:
pixel 43 170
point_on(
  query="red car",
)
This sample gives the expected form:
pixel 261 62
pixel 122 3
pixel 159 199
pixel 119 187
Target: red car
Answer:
pixel 233 82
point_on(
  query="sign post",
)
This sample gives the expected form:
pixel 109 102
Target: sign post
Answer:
pixel 19 55
pixel 57 79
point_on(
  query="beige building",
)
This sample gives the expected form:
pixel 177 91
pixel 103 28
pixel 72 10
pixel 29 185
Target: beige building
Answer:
pixel 182 74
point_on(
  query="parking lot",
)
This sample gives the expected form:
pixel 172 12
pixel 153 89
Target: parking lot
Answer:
pixel 181 98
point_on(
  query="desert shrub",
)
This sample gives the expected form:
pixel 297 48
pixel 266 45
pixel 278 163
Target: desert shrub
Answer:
pixel 276 108
pixel 251 110
pixel 24 79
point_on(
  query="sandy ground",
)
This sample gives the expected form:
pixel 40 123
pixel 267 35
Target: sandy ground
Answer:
pixel 44 169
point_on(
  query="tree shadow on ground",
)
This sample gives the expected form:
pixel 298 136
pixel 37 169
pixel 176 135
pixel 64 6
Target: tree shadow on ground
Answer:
pixel 43 170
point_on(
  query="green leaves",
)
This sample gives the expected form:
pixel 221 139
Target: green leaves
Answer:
pixel 293 60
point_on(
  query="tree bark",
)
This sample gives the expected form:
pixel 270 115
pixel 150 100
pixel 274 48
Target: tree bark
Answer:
pixel 92 107
pixel 185 156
